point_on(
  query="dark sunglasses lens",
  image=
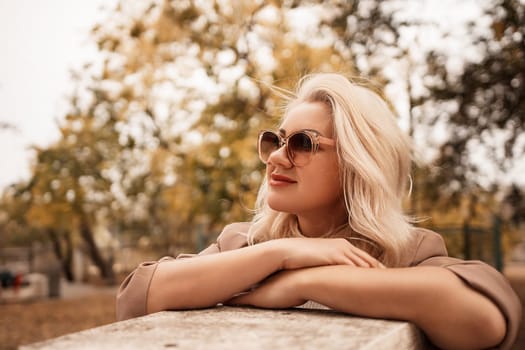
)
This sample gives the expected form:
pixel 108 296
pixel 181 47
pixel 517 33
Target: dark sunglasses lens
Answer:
pixel 268 143
pixel 300 148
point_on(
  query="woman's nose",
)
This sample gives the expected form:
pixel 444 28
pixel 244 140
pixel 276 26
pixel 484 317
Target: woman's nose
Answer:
pixel 280 157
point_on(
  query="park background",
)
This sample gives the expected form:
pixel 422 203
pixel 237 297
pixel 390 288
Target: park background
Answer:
pixel 152 146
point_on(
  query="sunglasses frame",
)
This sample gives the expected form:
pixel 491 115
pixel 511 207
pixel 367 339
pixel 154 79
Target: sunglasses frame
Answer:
pixel 315 138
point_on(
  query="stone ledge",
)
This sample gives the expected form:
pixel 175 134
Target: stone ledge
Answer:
pixel 244 328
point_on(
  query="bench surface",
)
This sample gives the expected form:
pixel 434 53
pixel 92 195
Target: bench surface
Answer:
pixel 243 328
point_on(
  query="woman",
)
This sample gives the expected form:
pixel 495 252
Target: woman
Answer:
pixel 329 228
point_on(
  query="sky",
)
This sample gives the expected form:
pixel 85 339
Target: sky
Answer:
pixel 40 40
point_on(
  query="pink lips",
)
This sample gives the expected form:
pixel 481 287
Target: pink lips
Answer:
pixel 280 180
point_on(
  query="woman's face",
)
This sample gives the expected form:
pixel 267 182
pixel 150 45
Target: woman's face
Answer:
pixel 312 189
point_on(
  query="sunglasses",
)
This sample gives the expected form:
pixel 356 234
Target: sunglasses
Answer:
pixel 300 145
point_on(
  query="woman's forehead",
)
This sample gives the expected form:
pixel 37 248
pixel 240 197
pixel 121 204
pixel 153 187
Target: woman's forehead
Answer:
pixel 308 115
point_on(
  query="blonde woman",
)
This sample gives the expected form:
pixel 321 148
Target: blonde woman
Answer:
pixel 329 229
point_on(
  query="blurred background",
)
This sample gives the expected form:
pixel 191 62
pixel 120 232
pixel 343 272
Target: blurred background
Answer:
pixel 128 131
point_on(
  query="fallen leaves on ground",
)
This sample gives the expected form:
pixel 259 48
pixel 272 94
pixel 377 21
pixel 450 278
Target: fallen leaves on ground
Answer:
pixel 25 323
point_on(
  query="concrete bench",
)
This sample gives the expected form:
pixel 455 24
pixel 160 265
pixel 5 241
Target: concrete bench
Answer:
pixel 244 328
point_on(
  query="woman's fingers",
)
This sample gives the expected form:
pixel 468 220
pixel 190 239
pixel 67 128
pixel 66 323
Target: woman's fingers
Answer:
pixel 357 261
pixel 366 259
pixel 309 252
pixel 359 257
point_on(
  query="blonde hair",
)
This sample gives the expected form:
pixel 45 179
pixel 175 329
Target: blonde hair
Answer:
pixel 374 158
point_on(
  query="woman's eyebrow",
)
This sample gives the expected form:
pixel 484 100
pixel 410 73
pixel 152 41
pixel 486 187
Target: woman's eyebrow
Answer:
pixel 282 132
pixel 314 131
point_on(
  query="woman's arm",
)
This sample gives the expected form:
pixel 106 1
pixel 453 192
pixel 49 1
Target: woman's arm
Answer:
pixel 451 314
pixel 204 281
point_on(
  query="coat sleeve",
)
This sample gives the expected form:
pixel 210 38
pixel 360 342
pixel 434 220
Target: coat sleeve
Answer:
pixel 477 275
pixel 132 296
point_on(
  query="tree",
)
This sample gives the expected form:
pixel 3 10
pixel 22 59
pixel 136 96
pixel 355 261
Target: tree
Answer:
pixel 70 189
pixel 160 136
pixel 484 105
pixel 194 78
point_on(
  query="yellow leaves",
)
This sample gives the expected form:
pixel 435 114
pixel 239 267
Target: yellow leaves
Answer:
pixel 244 150
pixel 137 29
pixel 169 66
pixel 161 162
pixel 498 28
pixel 178 201
pixel 476 209
pixel 58 215
pixel 172 23
pixel 296 59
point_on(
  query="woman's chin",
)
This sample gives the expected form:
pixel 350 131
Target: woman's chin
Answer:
pixel 280 205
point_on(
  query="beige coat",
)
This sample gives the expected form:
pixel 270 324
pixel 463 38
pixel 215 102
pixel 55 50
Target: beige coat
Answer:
pixel 428 249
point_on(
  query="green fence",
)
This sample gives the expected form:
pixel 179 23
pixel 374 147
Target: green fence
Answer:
pixel 471 242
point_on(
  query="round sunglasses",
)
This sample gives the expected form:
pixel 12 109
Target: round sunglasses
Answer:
pixel 300 145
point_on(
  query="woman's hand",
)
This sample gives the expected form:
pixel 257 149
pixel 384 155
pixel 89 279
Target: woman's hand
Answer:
pixel 279 291
pixel 310 252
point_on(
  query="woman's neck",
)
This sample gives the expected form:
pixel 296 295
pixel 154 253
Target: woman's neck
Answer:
pixel 321 224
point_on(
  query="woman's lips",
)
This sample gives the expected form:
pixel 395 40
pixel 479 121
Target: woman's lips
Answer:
pixel 280 180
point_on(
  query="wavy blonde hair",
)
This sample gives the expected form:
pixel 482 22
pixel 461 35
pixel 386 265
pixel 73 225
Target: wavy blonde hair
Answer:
pixel 374 158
